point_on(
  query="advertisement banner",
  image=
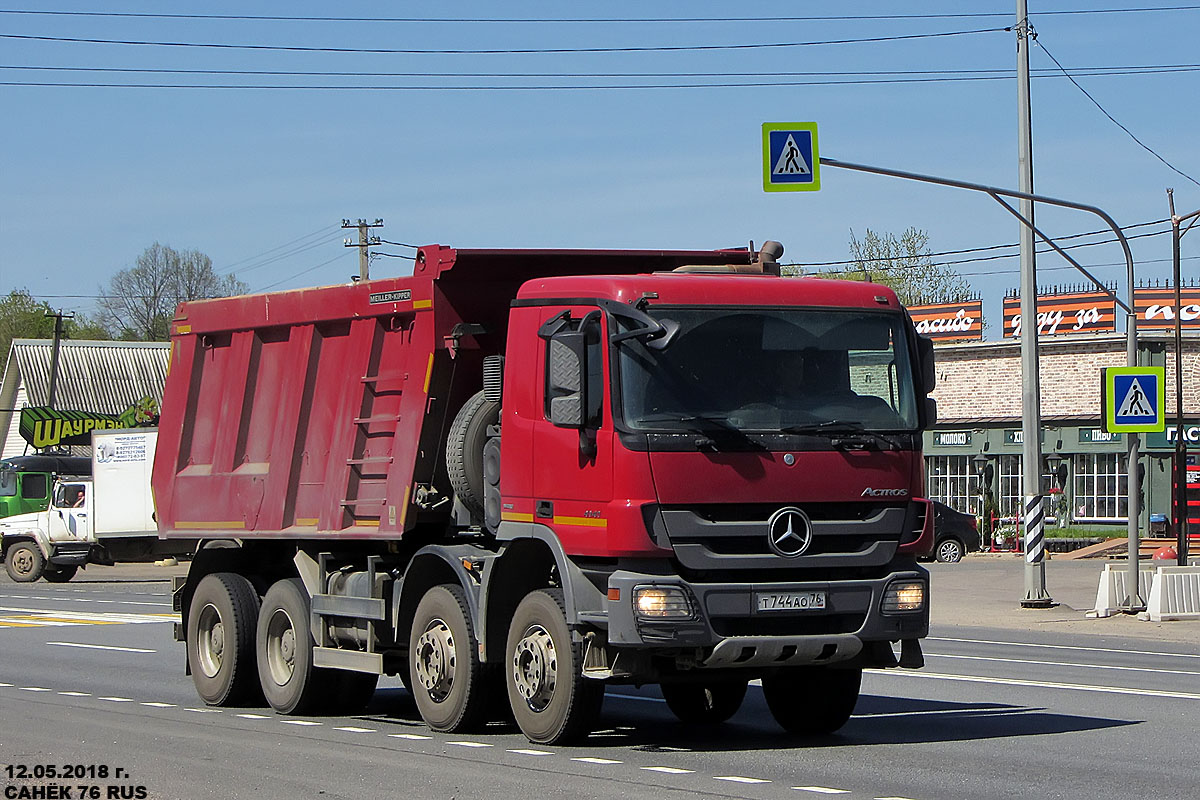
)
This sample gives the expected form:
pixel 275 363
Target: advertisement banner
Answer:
pixel 1155 308
pixel 949 322
pixel 1074 312
pixel 45 427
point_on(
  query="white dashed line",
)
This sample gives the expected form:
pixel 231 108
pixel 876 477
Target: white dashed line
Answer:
pixel 352 729
pixel 531 752
pixel 602 761
pixel 204 710
pixel 637 697
pixel 415 737
pixel 159 705
pixel 893 798
pixel 34 689
pixel 668 770
pixel 739 779
pixel 253 716
pixel 76 694
pixel 469 744
pixel 299 722
pixel 118 699
pixel 103 647
pixel 821 790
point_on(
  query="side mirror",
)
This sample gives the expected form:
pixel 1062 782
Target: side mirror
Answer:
pixel 930 411
pixel 567 378
pixel 928 364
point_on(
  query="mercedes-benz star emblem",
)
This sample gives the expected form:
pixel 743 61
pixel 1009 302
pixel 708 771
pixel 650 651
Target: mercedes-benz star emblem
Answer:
pixel 789 532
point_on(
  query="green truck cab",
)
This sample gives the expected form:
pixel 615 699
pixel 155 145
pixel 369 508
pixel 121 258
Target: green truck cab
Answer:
pixel 26 481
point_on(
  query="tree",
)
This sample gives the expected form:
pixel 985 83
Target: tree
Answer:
pixel 141 300
pixel 23 317
pixel 904 263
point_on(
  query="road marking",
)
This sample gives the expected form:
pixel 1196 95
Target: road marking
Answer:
pixel 34 689
pixel 601 761
pixel 1080 687
pixel 412 736
pixel 1063 664
pixel 253 716
pixel 204 710
pixel 31 617
pixel 103 647
pixel 352 729
pixel 76 694
pixel 5 685
pixel 893 798
pixel 1062 647
pixel 117 699
pixel 636 697
pixel 668 770
pixel 299 722
pixel 469 744
pixel 159 705
pixel 821 790
pixel 531 752
pixel 738 779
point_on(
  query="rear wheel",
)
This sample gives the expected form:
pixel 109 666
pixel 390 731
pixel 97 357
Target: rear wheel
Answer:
pixel 445 676
pixel 704 703
pixel 60 574
pixel 551 700
pixel 949 551
pixel 24 562
pixel 350 692
pixel 812 701
pixel 284 645
pixel 220 639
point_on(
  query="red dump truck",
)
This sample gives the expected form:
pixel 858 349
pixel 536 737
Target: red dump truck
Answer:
pixel 523 475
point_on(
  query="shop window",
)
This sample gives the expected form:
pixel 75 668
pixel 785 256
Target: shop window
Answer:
pixel 1101 487
pixel 951 480
pixel 1011 496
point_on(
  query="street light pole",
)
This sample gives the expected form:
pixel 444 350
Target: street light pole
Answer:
pixel 1181 504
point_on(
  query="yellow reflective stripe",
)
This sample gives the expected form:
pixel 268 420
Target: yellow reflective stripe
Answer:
pixel 420 304
pixel 589 522
pixel 307 522
pixel 198 526
pixel 515 516
pixel 429 373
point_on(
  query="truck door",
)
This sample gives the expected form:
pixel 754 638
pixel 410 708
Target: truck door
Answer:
pixel 70 517
pixel 572 468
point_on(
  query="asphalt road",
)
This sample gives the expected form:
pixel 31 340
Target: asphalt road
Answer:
pixel 1010 704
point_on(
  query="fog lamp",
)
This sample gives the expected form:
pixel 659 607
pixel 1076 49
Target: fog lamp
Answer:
pixel 903 596
pixel 661 602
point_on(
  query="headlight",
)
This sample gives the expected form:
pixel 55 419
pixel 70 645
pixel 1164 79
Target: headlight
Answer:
pixel 903 596
pixel 661 602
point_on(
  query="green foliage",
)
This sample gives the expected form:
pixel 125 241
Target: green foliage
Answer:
pixel 140 301
pixel 23 317
pixel 903 263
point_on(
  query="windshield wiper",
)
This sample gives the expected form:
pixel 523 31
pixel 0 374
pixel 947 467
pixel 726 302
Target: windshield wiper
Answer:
pixel 846 434
pixel 828 426
pixel 715 430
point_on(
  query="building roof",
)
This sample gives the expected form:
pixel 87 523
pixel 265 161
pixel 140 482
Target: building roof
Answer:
pixel 104 377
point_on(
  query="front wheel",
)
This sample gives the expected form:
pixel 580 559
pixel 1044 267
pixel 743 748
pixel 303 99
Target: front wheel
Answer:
pixel 704 703
pixel 24 562
pixel 550 699
pixel 61 574
pixel 812 701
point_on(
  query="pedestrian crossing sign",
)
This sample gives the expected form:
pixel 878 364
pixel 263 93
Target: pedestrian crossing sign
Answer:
pixel 1133 398
pixel 791 162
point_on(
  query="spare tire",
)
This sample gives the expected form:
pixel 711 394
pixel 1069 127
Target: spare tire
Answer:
pixel 464 451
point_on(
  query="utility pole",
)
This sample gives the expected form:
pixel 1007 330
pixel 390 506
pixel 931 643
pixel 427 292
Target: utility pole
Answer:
pixel 59 316
pixel 1033 514
pixel 364 241
pixel 1181 471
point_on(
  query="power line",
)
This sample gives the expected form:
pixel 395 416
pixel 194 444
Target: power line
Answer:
pixel 324 231
pixel 301 272
pixel 1111 118
pixel 590 20
pixel 514 51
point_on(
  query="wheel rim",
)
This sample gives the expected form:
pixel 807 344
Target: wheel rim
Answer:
pixel 22 561
pixel 535 667
pixel 948 551
pixel 210 640
pixel 281 647
pixel 436 659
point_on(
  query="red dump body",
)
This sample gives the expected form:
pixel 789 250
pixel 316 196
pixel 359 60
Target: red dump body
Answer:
pixel 305 414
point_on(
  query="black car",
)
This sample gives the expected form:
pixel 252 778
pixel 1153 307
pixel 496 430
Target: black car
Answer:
pixel 954 533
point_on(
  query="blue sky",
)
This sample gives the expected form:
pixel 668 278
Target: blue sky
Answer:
pixel 260 179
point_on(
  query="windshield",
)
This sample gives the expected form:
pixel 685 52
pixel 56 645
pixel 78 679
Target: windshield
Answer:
pixel 8 482
pixel 771 370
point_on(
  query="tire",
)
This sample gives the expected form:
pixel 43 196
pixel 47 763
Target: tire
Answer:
pixel 284 645
pixel 24 562
pixel 551 701
pixel 949 551
pixel 812 701
pixel 349 692
pixel 464 450
pixel 445 675
pixel 220 639
pixel 61 574
pixel 704 703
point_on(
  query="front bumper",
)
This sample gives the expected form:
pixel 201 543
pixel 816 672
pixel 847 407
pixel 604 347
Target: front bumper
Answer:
pixel 729 630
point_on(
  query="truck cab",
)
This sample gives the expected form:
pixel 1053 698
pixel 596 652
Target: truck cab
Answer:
pixel 52 543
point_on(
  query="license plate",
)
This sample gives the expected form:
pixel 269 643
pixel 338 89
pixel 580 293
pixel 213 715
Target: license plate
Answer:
pixel 789 601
